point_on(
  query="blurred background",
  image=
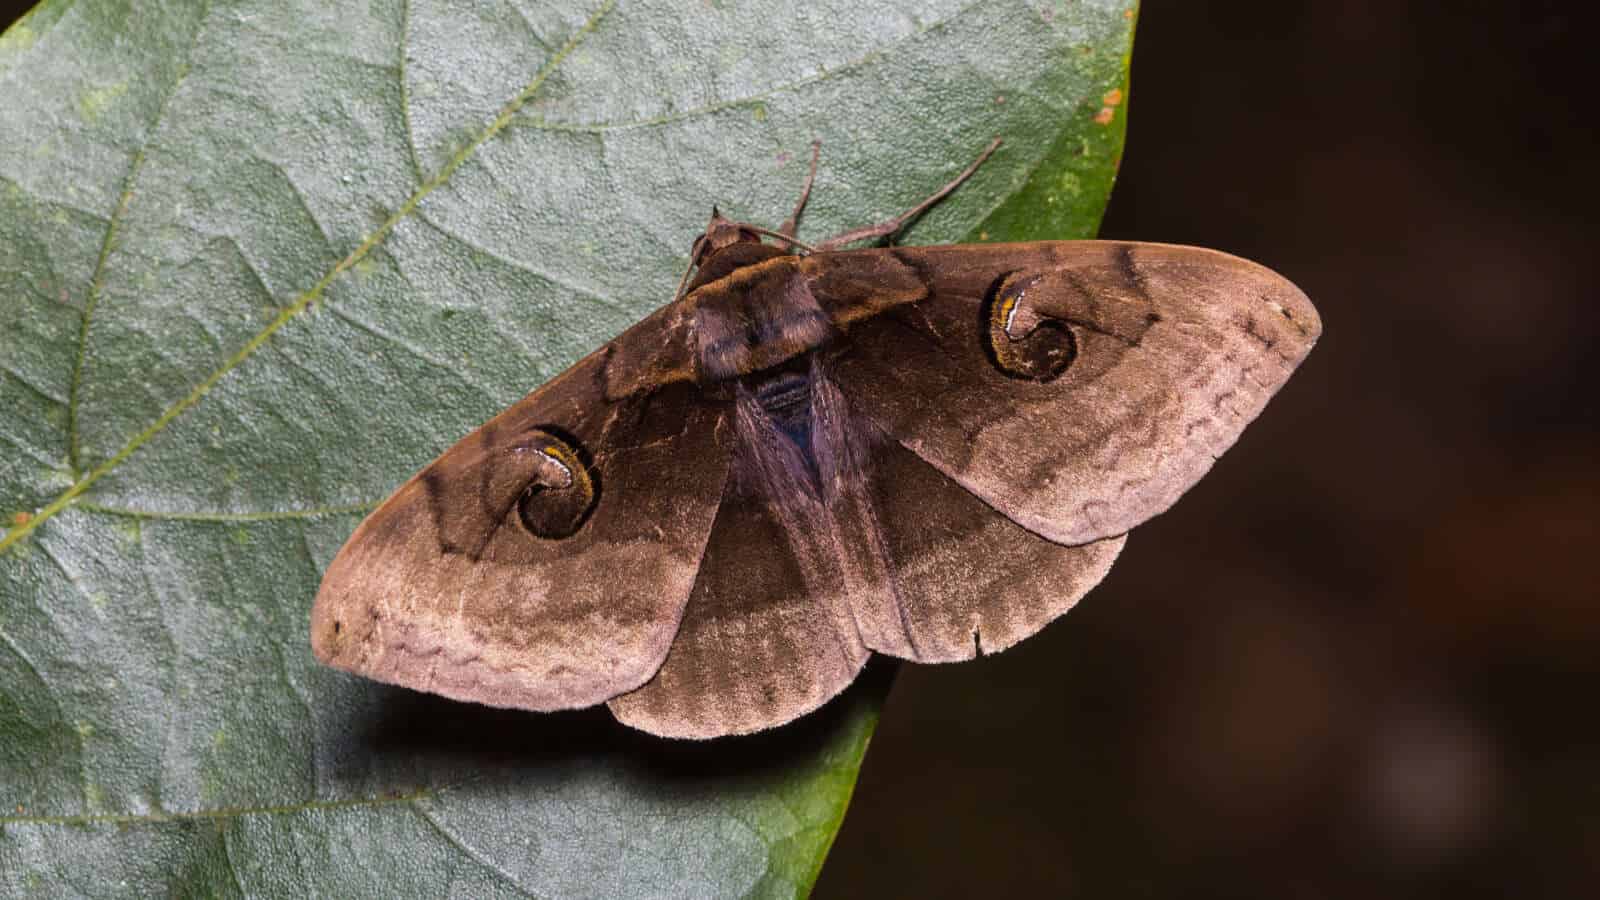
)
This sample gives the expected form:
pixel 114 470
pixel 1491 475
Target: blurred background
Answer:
pixel 1361 657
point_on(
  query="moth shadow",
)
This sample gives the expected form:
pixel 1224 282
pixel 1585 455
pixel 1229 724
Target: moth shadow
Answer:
pixel 408 730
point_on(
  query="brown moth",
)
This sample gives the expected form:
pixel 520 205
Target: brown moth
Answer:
pixel 810 455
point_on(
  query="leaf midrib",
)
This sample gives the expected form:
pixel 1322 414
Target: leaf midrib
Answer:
pixel 310 295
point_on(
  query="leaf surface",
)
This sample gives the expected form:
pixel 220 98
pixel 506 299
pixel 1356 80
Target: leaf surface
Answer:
pixel 262 261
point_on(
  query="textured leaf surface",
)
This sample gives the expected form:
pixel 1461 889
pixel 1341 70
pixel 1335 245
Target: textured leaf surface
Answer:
pixel 261 261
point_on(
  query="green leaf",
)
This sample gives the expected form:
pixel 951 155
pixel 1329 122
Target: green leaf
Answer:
pixel 262 261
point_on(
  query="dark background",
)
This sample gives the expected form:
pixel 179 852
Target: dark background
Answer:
pixel 1360 658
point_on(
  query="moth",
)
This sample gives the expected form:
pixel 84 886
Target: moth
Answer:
pixel 810 455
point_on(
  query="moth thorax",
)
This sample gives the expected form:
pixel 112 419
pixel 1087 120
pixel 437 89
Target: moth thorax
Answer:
pixel 757 318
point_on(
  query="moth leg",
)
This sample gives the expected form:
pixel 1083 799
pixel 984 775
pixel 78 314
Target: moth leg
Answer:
pixel 887 228
pixel 787 229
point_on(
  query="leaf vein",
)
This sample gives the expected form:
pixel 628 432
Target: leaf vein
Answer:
pixel 62 204
pixel 405 94
pixel 709 109
pixel 61 710
pixel 233 870
pixel 269 515
pixel 227 813
pixel 167 661
pixel 305 207
pixel 31 453
pixel 470 852
pixel 32 388
pixel 107 243
pixel 417 352
pixel 522 266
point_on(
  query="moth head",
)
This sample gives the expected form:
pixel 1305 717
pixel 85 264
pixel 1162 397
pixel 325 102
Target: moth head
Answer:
pixel 722 232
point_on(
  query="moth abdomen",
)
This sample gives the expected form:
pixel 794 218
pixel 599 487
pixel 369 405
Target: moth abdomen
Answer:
pixel 785 398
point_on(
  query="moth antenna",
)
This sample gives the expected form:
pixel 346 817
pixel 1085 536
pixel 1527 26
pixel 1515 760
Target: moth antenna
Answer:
pixel 694 253
pixel 792 224
pixel 694 257
pixel 788 239
pixel 893 226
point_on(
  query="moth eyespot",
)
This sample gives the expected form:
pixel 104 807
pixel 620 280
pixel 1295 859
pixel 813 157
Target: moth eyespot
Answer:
pixel 1022 342
pixel 563 492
